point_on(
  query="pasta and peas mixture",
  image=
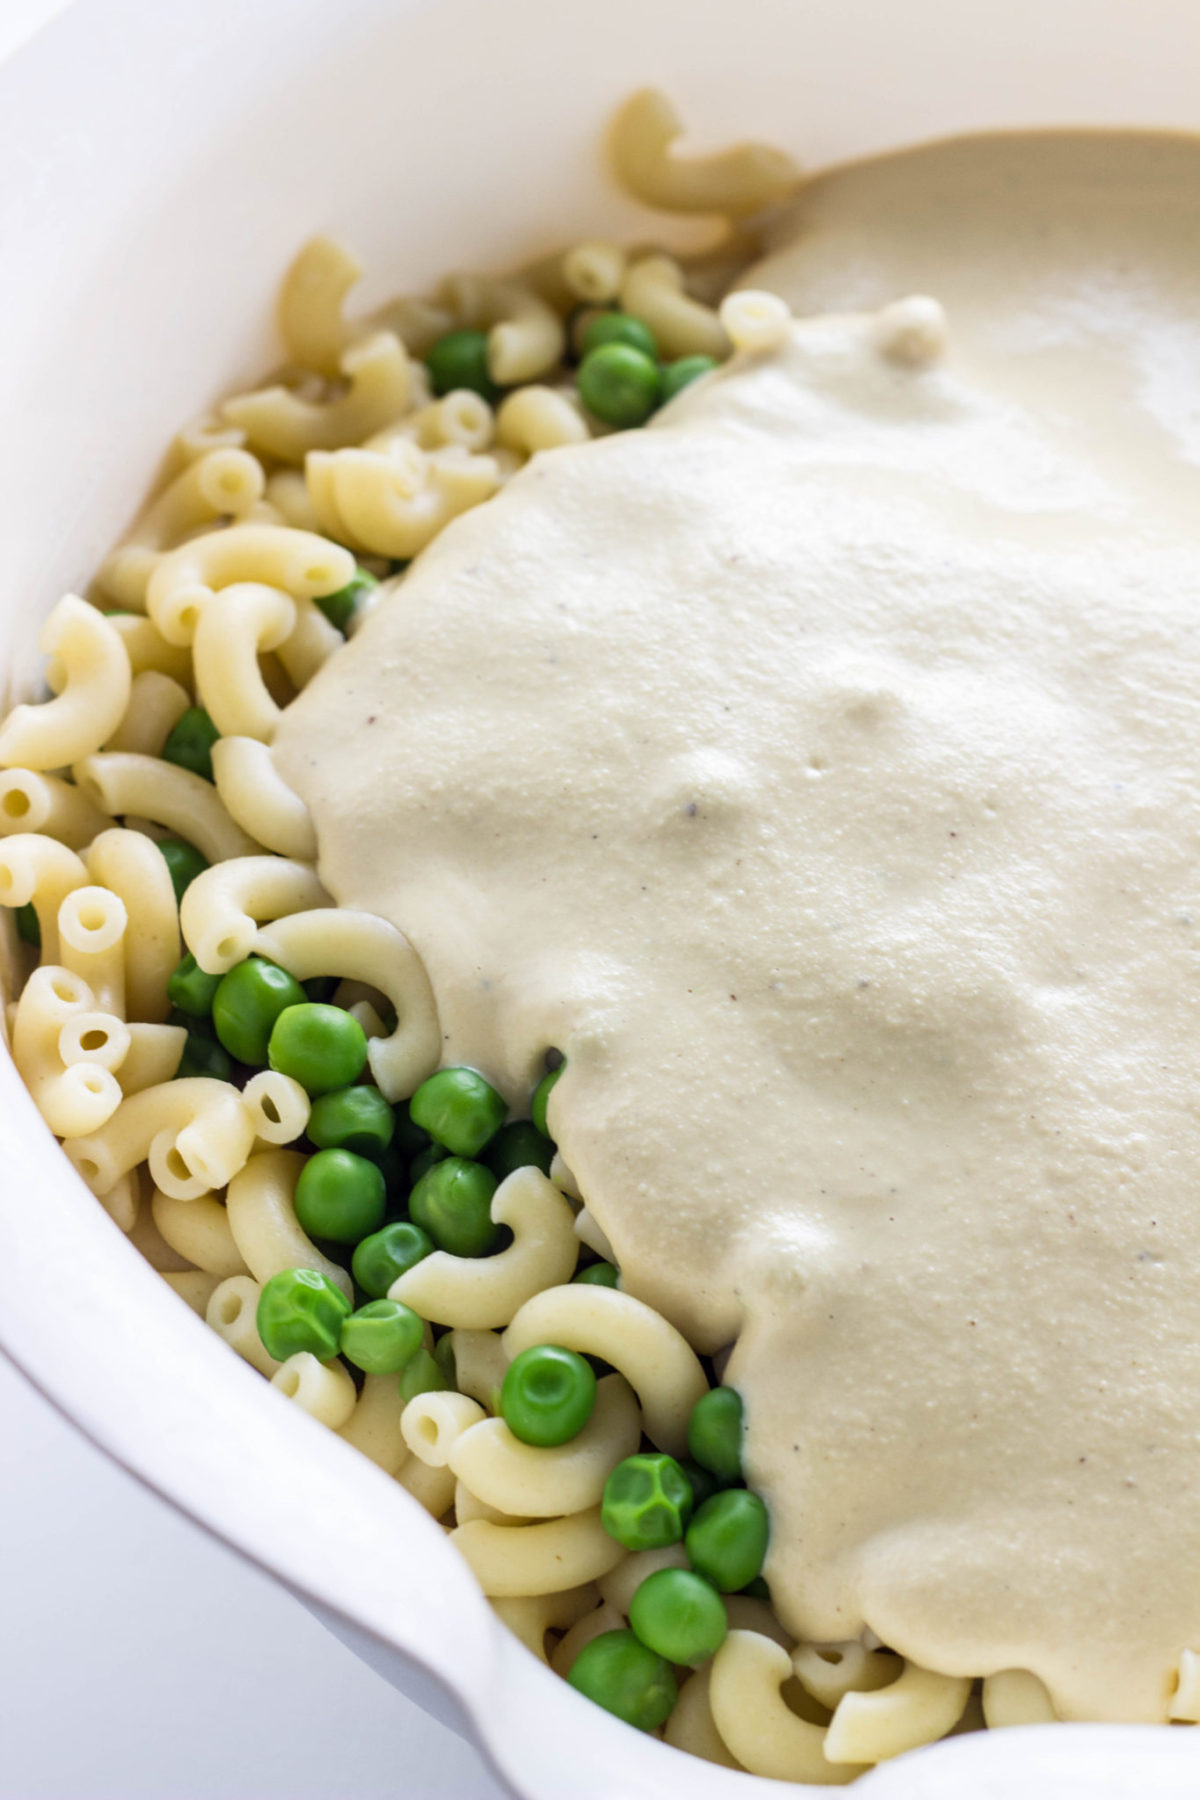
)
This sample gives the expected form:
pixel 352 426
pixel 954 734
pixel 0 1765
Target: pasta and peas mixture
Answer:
pixel 246 1077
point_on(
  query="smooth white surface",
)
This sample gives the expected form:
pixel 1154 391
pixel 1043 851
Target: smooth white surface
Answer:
pixel 141 1658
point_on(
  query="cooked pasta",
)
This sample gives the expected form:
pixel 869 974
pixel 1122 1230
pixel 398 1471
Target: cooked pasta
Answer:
pixel 152 854
pixel 480 1292
pixel 93 692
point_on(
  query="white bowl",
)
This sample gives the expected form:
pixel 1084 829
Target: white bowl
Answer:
pixel 162 165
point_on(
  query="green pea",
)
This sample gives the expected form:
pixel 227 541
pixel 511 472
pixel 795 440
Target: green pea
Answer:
pixel 548 1395
pixel 29 928
pixel 424 1160
pixel 340 1196
pixel 683 371
pixel 382 1337
pixel 618 328
pixel 321 1047
pixel 341 607
pixel 727 1540
pixel 352 1118
pixel 459 1110
pixel 301 1309
pixel 600 1274
pixel 702 1483
pixel 620 385
pixel 246 1005
pixel 203 1056
pixel 388 1254
pixel 184 862
pixel 678 1614
pixel 757 1590
pixel 422 1376
pixel 541 1096
pixel 518 1146
pixel 715 1433
pixel 624 1677
pixel 190 989
pixel 647 1502
pixel 460 360
pixel 190 742
pixel 453 1203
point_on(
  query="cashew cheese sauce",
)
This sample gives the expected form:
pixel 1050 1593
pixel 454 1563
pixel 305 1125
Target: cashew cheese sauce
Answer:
pixel 819 769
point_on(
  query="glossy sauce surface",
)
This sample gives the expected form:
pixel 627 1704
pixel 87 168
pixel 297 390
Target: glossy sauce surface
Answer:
pixel 817 769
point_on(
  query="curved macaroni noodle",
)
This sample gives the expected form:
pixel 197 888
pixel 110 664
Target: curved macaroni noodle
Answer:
pixel 363 947
pixel 238 625
pixel 36 871
pixel 535 1483
pixel 756 1724
pixel 484 1291
pixel 257 798
pixel 653 288
pixel 194 1133
pixel 379 390
pixel 918 1708
pixel 531 1617
pixel 92 925
pixel 133 868
pixel 224 906
pixel 95 681
pixel 323 1390
pixel 199 1230
pixel 263 1220
pixel 153 1055
pixel 222 482
pixel 125 783
pixel 691 1726
pixel 31 800
pixel 734 182
pixel 232 1313
pixel 300 563
pixel 539 418
pixel 830 1671
pixel 310 305
pixel 516 1560
pixel 156 705
pixel 434 1423
pixel 657 1361
pixel 373 1428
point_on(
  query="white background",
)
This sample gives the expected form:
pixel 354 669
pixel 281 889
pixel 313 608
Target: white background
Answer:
pixel 139 1658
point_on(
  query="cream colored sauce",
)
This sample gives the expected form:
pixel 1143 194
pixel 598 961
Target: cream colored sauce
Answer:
pixel 819 770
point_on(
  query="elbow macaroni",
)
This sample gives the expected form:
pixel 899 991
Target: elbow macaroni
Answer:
pixel 657 1361
pixel 534 1483
pixel 224 906
pixel 95 681
pixel 734 182
pixel 363 947
pixel 238 625
pixel 485 1291
pixel 259 801
pixel 263 1220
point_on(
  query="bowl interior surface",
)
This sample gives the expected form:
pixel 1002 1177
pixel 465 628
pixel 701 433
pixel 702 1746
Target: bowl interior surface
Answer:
pixel 163 166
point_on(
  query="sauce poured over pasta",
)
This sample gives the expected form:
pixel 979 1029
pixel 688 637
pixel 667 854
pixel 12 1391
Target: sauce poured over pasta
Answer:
pixel 817 770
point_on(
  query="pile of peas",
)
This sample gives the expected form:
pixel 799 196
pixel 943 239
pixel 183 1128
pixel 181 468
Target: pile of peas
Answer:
pixel 677 1616
pixel 620 377
pixel 391 1183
